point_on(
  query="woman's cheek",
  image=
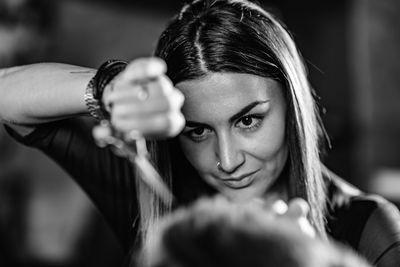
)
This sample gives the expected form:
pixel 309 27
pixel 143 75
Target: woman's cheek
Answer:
pixel 195 153
pixel 268 143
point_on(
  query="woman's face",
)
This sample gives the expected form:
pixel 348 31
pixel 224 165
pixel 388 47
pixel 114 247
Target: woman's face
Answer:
pixel 236 121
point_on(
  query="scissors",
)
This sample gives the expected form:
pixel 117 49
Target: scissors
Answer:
pixel 134 148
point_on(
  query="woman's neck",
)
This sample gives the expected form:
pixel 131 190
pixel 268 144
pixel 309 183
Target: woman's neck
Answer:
pixel 280 189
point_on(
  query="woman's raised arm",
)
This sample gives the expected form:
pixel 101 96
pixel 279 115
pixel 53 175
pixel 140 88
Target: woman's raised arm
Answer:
pixel 39 93
pixel 42 92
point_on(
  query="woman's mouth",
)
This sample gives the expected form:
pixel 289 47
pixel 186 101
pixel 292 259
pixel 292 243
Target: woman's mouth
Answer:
pixel 239 182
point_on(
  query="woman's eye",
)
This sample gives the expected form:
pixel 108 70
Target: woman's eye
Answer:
pixel 198 131
pixel 198 134
pixel 249 122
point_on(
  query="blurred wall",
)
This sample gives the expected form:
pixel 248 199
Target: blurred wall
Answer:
pixel 320 30
pixel 91 32
pixel 351 49
pixel 375 68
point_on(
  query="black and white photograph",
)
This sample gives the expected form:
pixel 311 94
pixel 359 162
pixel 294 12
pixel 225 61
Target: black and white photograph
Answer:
pixel 199 133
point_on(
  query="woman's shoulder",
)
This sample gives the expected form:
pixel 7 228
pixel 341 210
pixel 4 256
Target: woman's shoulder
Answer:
pixel 367 222
pixel 342 195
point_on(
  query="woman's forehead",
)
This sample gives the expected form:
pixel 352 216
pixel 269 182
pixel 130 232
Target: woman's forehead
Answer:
pixel 223 94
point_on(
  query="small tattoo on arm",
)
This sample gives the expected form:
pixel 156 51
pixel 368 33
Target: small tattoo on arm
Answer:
pixel 84 71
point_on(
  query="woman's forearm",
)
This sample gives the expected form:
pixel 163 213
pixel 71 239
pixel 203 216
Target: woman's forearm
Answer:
pixel 42 92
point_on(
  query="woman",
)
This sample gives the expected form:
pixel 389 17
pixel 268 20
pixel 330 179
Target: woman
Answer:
pixel 252 129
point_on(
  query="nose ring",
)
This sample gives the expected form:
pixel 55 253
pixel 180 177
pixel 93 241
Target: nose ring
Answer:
pixel 219 165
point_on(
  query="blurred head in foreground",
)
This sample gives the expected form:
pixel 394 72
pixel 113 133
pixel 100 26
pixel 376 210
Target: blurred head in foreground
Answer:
pixel 215 232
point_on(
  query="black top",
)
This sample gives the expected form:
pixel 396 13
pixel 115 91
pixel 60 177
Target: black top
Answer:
pixel 367 223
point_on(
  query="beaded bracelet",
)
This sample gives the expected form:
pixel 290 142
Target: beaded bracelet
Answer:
pixel 94 90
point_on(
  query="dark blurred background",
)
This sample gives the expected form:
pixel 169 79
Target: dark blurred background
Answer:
pixel 352 51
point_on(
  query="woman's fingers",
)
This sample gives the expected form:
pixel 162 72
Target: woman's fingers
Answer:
pixel 156 126
pixel 126 103
pixel 155 117
pixel 298 210
pixel 143 99
pixel 295 211
pixel 142 69
pixel 155 87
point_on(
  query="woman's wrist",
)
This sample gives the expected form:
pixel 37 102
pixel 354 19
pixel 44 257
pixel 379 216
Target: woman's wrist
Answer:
pixel 100 84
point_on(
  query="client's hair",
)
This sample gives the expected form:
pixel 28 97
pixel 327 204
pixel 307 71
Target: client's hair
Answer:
pixel 217 233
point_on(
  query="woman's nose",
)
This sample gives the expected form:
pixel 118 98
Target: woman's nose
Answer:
pixel 229 154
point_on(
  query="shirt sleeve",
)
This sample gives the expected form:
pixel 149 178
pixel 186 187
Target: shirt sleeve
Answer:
pixel 106 178
pixel 380 238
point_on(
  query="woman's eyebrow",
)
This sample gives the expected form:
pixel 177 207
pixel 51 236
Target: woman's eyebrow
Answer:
pixel 246 109
pixel 195 124
pixel 243 111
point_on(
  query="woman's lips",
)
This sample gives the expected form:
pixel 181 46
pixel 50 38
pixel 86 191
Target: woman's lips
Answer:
pixel 240 181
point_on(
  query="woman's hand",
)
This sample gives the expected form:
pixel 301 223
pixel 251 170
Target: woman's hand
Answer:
pixel 142 99
pixel 295 211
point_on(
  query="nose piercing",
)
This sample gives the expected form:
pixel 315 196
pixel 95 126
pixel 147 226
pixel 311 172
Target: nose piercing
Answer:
pixel 219 165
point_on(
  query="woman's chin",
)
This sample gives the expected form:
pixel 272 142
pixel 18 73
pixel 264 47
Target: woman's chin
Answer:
pixel 241 195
